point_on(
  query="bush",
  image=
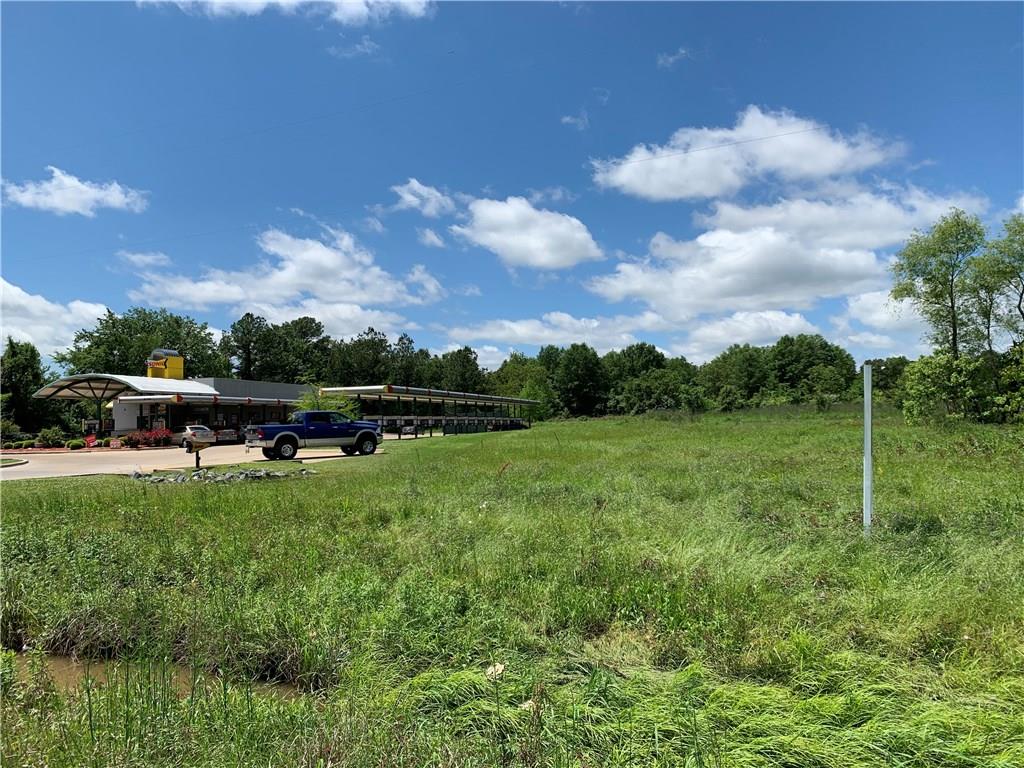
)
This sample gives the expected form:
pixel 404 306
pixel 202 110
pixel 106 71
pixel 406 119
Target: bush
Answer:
pixel 105 442
pixel 159 437
pixel 7 445
pixel 51 437
pixel 132 440
pixel 25 444
pixel 75 445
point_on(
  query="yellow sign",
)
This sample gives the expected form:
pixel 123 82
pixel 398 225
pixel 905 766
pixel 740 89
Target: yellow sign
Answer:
pixel 161 366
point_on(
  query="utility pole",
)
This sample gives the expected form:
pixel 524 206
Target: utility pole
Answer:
pixel 868 480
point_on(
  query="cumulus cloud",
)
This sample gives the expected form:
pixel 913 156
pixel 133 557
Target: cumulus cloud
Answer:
pixel 524 236
pixel 348 12
pixel 429 201
pixel 877 310
pixel 710 162
pixel 669 60
pixel 757 328
pixel 785 255
pixel 49 325
pixel 64 193
pixel 723 270
pixel 339 318
pixel 561 328
pixel 554 194
pixel 860 218
pixel 334 265
pixel 144 260
pixel 429 238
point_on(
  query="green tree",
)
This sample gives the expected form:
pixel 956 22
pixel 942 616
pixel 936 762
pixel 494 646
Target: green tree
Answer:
pixel 406 364
pixel 122 344
pixel 655 389
pixel 742 367
pixel 22 374
pixel 1008 254
pixel 460 371
pixel 313 399
pixel 632 361
pixel 792 358
pixel 550 356
pixel 539 388
pixel 244 344
pixel 580 381
pixel 514 374
pixel 933 271
pixel 362 361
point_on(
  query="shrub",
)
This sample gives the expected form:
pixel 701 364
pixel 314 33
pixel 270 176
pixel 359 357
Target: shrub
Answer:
pixel 7 445
pixel 159 437
pixel 51 437
pixel 132 440
pixel 105 442
pixel 75 445
pixel 25 444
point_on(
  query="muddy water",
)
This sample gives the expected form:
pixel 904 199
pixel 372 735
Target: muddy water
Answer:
pixel 68 674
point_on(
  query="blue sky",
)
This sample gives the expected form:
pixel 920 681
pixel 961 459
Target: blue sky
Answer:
pixel 495 175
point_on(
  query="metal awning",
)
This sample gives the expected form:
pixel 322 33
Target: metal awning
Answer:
pixel 407 394
pixel 106 386
pixel 208 399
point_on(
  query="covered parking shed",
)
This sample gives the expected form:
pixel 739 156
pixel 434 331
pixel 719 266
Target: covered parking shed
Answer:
pixel 418 409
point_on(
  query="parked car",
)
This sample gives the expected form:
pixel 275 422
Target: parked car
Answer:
pixel 227 435
pixel 194 433
pixel 314 429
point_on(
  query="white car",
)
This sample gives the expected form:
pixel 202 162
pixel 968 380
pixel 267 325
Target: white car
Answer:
pixel 195 433
pixel 227 435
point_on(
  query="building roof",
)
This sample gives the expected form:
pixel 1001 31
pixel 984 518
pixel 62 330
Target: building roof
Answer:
pixel 397 392
pixel 105 386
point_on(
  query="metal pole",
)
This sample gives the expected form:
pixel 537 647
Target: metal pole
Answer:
pixel 867 451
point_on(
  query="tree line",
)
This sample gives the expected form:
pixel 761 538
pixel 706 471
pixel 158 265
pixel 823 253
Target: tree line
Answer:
pixel 969 289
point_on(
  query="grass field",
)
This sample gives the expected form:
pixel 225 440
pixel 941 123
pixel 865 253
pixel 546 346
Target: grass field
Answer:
pixel 659 591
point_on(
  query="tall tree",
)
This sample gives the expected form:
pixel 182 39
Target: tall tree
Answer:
pixel 632 361
pixel 932 270
pixel 362 361
pixel 460 371
pixel 1009 253
pixel 243 344
pixel 122 343
pixel 21 374
pixel 294 351
pixel 580 381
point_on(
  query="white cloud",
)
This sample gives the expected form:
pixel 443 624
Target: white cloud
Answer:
pixel 468 290
pixel 373 224
pixel 869 339
pixel 348 12
pixel 579 121
pixel 603 95
pixel 65 193
pixel 365 47
pixel 429 201
pixel 145 260
pixel 524 236
pixel 561 328
pixel 669 60
pixel 722 270
pixel 48 325
pixel 757 328
pixel 556 194
pixel 784 255
pixel 859 218
pixel 323 269
pixel 339 318
pixel 429 238
pixel 877 310
pixel 710 162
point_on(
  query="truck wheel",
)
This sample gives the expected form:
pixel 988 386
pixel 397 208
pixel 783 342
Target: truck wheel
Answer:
pixel 287 449
pixel 269 453
pixel 367 445
pixel 348 450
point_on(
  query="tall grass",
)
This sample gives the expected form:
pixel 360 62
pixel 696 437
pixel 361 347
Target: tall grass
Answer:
pixel 660 591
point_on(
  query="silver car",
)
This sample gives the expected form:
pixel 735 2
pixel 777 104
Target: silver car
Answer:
pixel 195 433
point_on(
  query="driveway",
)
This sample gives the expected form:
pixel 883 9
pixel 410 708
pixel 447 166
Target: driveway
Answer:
pixel 125 462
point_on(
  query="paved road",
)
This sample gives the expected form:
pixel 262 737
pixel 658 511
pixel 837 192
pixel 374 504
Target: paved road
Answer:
pixel 126 462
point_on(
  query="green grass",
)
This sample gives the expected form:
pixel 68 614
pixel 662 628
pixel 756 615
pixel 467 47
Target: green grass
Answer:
pixel 660 591
pixel 10 460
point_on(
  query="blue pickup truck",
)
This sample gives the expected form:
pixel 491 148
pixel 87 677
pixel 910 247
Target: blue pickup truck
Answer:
pixel 314 429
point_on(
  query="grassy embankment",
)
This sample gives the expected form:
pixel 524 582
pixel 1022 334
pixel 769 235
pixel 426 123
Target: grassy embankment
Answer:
pixel 660 592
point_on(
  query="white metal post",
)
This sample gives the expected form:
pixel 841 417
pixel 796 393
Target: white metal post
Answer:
pixel 867 451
